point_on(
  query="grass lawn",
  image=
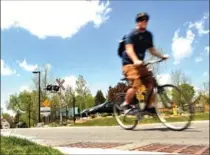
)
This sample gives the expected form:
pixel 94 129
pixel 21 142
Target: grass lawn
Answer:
pixel 111 121
pixel 17 146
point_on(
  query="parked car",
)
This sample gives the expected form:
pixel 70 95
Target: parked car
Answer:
pixel 106 107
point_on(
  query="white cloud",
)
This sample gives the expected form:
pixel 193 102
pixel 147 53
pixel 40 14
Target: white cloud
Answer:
pixel 163 78
pixel 53 18
pixel 182 46
pixel 199 25
pixel 18 74
pixel 6 70
pixel 48 67
pixel 199 59
pixel 24 88
pixel 26 66
pixel 205 73
pixel 70 81
pixel 206 49
pixel 99 86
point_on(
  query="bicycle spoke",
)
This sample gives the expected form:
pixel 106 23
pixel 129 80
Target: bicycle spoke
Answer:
pixel 173 111
pixel 126 120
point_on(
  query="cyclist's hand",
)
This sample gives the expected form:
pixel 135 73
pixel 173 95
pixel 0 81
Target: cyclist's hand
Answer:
pixel 165 56
pixel 138 62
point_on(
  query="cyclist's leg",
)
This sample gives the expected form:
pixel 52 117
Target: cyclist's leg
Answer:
pixel 149 83
pixel 132 74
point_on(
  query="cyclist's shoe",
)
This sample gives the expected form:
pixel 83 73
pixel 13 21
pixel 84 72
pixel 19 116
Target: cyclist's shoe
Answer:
pixel 151 110
pixel 125 107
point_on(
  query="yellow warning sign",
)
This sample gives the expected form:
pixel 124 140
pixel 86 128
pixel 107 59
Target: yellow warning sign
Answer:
pixel 46 103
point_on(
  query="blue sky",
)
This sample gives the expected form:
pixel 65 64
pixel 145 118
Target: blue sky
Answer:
pixel 74 42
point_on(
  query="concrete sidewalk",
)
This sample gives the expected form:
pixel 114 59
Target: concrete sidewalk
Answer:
pixel 69 150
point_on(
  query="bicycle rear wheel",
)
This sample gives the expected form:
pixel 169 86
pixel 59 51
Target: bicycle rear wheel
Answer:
pixel 126 120
pixel 173 108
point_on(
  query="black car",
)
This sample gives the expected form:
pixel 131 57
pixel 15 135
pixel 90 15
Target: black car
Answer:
pixel 106 107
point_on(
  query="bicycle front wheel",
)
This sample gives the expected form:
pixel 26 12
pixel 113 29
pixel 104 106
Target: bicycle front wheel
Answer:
pixel 126 120
pixel 173 108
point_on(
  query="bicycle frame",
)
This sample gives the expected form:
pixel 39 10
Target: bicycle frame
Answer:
pixel 155 83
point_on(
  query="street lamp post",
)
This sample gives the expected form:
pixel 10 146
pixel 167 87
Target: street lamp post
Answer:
pixel 39 99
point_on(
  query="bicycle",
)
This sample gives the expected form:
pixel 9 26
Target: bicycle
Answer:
pixel 167 98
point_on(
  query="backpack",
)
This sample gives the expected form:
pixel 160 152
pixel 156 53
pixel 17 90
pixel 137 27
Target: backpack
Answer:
pixel 121 47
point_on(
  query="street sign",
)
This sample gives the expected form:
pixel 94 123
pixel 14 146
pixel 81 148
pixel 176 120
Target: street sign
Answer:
pixel 46 103
pixel 60 83
pixel 45 111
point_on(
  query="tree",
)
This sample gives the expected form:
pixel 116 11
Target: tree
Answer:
pixel 13 103
pixel 68 96
pixel 82 91
pixel 204 93
pixel 178 78
pixel 119 88
pixel 187 90
pixel 89 101
pixel 45 79
pixel 9 119
pixel 54 105
pixel 99 98
pixel 23 105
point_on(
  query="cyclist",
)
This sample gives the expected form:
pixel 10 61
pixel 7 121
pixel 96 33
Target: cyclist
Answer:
pixel 136 43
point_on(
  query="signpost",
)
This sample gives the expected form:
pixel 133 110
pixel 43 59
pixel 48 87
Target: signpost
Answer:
pixel 45 111
pixel 60 84
pixel 46 103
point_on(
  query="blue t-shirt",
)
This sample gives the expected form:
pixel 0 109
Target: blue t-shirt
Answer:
pixel 141 42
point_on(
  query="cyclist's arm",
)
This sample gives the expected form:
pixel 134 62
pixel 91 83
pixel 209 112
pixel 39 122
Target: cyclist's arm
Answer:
pixel 152 49
pixel 155 52
pixel 129 48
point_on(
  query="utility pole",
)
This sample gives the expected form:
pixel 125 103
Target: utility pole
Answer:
pixel 74 109
pixel 39 98
pixel 60 107
pixel 29 116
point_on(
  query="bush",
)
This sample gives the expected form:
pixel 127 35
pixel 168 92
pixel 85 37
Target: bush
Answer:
pixel 92 116
pixel 53 124
pixel 104 114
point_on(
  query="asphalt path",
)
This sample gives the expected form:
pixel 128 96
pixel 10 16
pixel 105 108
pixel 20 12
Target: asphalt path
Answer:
pixel 197 134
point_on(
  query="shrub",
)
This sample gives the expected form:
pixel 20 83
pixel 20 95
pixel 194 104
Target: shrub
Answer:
pixel 92 116
pixel 104 114
pixel 53 124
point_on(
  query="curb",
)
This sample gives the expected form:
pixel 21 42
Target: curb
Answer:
pixel 68 150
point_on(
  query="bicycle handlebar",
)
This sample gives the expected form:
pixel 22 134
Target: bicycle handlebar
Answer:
pixel 153 62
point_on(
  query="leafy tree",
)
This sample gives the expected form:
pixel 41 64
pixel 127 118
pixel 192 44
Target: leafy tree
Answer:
pixel 9 119
pixel 82 91
pixel 13 103
pixel 54 104
pixel 68 96
pixel 24 104
pixel 178 78
pixel 45 79
pixel 99 98
pixel 187 90
pixel 119 88
pixel 89 101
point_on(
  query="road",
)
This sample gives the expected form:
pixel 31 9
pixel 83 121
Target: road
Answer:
pixel 197 134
